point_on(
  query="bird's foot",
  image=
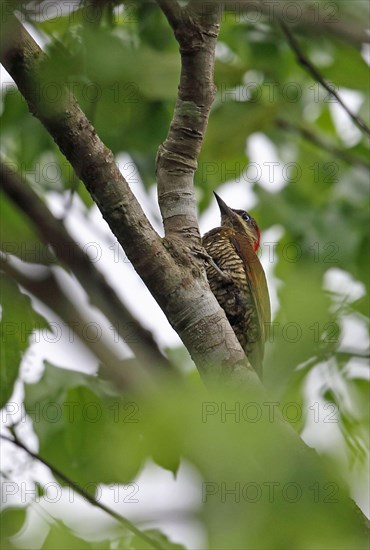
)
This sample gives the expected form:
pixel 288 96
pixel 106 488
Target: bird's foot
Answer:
pixel 205 256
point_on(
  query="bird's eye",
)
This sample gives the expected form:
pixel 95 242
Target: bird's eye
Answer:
pixel 245 217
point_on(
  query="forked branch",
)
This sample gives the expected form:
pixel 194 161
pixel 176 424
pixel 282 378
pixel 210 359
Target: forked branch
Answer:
pixel 174 275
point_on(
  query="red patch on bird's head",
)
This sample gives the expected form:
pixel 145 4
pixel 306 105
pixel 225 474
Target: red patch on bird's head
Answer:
pixel 257 243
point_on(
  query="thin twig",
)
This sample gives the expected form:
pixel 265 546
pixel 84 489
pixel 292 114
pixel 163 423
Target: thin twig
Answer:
pixel 311 69
pixel 315 20
pixel 82 492
pixel 322 144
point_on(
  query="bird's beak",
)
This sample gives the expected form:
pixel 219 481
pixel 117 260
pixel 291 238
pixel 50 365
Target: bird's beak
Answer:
pixel 224 209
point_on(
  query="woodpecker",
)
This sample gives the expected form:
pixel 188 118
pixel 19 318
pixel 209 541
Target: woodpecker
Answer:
pixel 237 279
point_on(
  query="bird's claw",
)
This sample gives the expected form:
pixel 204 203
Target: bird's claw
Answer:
pixel 205 256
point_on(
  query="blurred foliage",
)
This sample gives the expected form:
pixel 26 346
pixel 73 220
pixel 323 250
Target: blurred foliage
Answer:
pixel 18 320
pixel 18 236
pixel 11 521
pixel 123 66
pixel 241 433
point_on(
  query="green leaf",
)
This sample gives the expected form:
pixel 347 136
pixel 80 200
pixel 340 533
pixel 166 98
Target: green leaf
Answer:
pixel 26 147
pixel 347 56
pixel 239 448
pixel 60 537
pixel 59 26
pixel 233 439
pixel 223 156
pixel 11 522
pixel 153 28
pixel 99 57
pixel 162 540
pixel 18 320
pixel 74 416
pixel 18 236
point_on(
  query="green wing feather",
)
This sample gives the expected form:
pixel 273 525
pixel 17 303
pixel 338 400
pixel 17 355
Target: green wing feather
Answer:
pixel 258 286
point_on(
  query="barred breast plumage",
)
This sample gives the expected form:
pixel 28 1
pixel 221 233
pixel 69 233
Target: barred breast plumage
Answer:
pixel 242 291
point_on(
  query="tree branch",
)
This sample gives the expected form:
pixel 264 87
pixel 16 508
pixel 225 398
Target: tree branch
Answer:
pixel 316 75
pixel 92 161
pixel 196 29
pixel 84 494
pixel 101 294
pixel 317 140
pixel 172 272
